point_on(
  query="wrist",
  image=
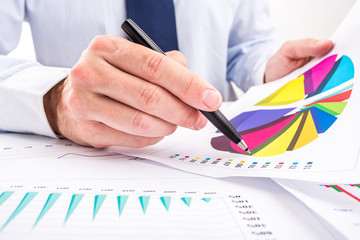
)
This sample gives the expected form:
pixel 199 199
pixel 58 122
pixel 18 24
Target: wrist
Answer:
pixel 51 105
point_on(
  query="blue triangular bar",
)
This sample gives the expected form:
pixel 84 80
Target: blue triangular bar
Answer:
pixel 144 201
pixel 48 204
pixel 206 199
pixel 121 203
pixel 166 202
pixel 186 200
pixel 99 200
pixel 75 200
pixel 4 196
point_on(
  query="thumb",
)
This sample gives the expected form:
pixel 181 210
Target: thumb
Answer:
pixel 298 49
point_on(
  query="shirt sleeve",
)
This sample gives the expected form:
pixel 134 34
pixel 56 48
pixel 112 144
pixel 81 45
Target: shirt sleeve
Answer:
pixel 23 83
pixel 21 95
pixel 251 43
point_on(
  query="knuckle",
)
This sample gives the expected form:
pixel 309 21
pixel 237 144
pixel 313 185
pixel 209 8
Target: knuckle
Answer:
pixel 286 45
pixel 85 75
pixel 287 48
pixel 121 45
pixel 80 73
pixel 102 43
pixel 154 67
pixel 140 123
pixel 76 104
pixel 150 97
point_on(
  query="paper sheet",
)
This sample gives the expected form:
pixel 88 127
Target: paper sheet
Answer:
pixel 54 189
pixel 301 127
pixel 338 204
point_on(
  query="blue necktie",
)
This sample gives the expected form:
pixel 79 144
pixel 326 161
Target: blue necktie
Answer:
pixel 157 19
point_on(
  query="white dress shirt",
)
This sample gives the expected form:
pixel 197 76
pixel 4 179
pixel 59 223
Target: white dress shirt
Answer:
pixel 223 40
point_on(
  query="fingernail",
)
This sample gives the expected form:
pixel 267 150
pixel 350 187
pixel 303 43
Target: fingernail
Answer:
pixel 211 98
pixel 201 123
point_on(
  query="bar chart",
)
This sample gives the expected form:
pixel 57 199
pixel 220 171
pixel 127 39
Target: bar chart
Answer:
pixel 69 209
pixel 98 202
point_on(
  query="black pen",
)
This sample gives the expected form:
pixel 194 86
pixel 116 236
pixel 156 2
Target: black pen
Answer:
pixel 137 35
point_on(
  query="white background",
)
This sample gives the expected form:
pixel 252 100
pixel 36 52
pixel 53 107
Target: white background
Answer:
pixel 294 19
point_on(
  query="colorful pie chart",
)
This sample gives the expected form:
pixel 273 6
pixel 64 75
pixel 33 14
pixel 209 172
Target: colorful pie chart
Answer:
pixel 270 132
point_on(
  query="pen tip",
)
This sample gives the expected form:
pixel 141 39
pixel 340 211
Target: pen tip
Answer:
pixel 243 146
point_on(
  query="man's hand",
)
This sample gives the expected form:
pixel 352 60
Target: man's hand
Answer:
pixel 294 54
pixel 120 93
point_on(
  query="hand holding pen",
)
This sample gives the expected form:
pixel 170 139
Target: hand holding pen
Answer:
pixel 123 94
pixel 137 35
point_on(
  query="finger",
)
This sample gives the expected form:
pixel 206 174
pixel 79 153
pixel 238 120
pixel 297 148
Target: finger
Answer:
pixel 178 57
pixel 144 96
pixel 307 48
pixel 126 119
pixel 158 69
pixel 100 135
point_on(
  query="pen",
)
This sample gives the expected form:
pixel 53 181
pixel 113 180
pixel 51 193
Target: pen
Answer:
pixel 137 35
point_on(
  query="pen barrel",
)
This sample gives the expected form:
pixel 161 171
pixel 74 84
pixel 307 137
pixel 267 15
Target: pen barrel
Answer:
pixel 223 125
pixel 137 35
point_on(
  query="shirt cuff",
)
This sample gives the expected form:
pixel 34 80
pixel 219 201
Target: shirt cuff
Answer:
pixel 21 99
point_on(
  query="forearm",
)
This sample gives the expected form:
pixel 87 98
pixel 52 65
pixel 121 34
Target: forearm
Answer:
pixel 251 43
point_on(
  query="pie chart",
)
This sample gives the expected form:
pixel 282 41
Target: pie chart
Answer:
pixel 272 131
